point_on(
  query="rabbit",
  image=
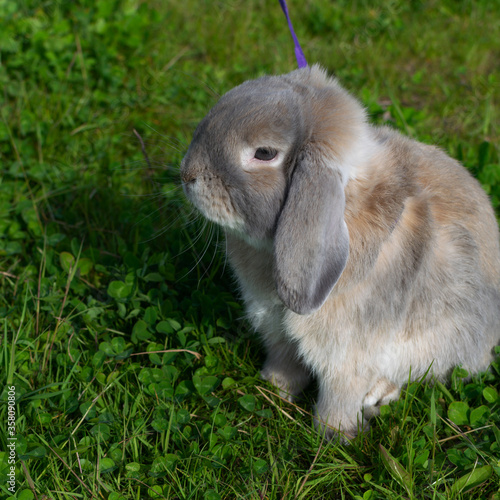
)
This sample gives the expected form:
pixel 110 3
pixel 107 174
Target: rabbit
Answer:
pixel 364 258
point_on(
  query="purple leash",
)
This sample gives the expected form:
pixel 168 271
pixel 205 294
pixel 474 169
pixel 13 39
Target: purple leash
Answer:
pixel 301 58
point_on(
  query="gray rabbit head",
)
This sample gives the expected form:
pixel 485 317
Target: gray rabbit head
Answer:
pixel 269 163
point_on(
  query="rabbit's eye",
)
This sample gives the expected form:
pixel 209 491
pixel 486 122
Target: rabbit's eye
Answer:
pixel 265 154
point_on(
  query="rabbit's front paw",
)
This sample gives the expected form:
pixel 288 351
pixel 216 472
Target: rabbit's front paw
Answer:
pixel 382 393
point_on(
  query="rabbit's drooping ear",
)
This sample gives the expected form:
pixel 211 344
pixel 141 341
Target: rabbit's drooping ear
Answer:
pixel 311 242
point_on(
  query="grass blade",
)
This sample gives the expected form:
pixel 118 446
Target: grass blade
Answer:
pixel 396 470
pixel 471 480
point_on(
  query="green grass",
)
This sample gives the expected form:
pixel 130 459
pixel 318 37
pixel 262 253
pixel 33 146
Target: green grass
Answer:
pixel 135 376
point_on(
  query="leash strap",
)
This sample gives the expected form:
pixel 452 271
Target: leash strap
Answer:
pixel 301 58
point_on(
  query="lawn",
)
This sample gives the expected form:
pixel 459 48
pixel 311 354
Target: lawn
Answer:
pixel 122 336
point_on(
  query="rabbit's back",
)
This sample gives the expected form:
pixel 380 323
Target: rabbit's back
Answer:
pixel 458 207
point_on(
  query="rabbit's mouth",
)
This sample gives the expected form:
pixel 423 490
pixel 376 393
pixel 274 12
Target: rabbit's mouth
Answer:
pixel 214 203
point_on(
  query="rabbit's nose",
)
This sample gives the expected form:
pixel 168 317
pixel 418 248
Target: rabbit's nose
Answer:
pixel 188 177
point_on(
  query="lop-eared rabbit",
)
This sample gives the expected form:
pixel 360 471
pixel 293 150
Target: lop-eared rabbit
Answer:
pixel 361 255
